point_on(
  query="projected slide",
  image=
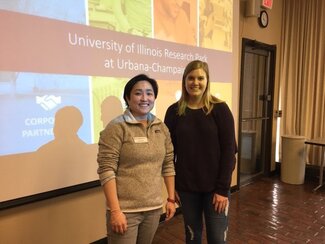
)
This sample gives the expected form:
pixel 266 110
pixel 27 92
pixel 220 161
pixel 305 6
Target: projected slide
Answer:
pixel 63 67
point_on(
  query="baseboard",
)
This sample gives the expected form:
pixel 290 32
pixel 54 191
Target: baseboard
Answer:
pixel 101 241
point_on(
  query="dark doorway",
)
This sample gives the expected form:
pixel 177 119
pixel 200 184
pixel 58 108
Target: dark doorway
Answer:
pixel 255 110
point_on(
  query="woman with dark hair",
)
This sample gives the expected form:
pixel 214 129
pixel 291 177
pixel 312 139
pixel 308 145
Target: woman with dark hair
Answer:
pixel 135 153
pixel 203 135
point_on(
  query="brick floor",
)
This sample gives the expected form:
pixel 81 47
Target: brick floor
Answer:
pixel 266 211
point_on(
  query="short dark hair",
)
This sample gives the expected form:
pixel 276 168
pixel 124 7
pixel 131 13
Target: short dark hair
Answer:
pixel 130 84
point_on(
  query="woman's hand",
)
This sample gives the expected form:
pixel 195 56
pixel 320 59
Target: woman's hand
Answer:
pixel 118 221
pixel 170 210
pixel 220 203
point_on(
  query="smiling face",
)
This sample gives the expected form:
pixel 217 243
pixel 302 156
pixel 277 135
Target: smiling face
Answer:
pixel 196 84
pixel 142 99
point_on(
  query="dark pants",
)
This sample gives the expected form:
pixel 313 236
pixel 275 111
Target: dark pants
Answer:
pixel 194 207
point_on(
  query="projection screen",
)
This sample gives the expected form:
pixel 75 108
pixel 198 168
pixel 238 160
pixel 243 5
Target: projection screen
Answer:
pixel 63 67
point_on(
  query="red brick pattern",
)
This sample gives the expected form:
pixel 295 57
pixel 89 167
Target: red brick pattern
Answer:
pixel 266 211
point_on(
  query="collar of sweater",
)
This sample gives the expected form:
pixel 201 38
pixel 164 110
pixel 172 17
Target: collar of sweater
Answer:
pixel 129 118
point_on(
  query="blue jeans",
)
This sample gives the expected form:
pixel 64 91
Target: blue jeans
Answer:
pixel 196 205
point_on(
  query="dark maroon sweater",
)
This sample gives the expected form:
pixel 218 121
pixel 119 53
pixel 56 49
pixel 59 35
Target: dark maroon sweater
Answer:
pixel 204 147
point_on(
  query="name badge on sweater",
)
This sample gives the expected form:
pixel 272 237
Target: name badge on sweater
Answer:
pixel 140 139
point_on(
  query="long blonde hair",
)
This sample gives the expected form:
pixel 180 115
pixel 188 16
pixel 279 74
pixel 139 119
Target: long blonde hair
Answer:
pixel 208 99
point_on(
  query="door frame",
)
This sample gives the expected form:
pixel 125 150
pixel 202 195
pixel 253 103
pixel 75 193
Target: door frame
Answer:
pixel 267 138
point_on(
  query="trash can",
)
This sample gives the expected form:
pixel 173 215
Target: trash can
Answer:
pixel 293 159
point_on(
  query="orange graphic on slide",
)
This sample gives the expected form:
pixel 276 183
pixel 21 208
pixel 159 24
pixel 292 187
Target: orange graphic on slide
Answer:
pixel 175 20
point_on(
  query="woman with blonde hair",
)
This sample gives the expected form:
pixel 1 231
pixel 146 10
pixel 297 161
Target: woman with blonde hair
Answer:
pixel 203 135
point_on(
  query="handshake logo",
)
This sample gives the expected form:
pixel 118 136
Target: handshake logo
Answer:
pixel 48 102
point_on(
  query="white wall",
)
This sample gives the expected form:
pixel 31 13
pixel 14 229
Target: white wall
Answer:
pixel 75 218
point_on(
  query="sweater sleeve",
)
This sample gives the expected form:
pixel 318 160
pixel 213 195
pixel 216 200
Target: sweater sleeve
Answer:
pixel 109 146
pixel 228 147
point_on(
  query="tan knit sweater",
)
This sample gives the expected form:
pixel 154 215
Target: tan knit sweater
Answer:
pixel 137 157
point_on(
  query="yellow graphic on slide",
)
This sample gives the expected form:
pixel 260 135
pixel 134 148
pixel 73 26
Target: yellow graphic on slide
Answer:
pixel 169 92
pixel 128 16
pixel 108 101
pixel 223 91
pixel 216 19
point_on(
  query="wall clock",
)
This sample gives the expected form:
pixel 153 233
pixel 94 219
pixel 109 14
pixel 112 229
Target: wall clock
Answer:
pixel 263 19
